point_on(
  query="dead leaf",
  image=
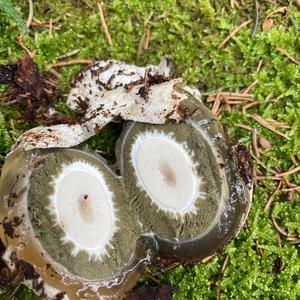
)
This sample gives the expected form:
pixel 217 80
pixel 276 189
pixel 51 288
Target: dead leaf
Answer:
pixel 265 143
pixel 29 91
pixel 267 25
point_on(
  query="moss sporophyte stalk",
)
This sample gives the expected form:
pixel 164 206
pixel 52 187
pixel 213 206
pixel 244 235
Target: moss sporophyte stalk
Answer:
pixel 249 76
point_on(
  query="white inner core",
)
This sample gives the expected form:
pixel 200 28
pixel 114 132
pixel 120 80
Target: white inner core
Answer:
pixel 82 204
pixel 166 171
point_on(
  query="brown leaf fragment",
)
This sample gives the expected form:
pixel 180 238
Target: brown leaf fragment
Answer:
pixel 265 143
pixel 147 292
pixel 28 78
pixel 297 3
pixel 267 25
pixel 30 92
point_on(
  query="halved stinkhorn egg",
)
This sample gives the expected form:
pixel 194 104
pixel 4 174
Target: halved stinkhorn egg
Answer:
pixel 183 193
pixel 188 185
pixel 69 217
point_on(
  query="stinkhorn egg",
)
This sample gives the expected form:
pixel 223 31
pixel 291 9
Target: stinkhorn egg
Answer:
pixel 183 189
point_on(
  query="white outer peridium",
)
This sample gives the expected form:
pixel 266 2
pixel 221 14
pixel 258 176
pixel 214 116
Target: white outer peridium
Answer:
pixel 163 104
pixel 166 170
pixel 82 205
pixel 112 74
pixel 104 89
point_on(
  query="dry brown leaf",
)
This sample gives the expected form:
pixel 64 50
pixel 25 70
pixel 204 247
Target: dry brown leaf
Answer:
pixel 265 143
pixel 267 25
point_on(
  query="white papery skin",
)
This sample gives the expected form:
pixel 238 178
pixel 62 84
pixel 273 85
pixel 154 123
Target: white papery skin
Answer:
pixel 111 74
pixel 111 89
pixel 166 171
pixel 83 208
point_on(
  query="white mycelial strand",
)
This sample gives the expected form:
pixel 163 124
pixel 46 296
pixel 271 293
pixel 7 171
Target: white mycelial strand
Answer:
pixel 85 212
pixel 167 171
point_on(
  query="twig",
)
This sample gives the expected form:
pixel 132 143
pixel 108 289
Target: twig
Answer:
pixel 270 200
pixel 254 142
pixel 289 56
pixel 140 48
pixel 12 102
pixel 216 105
pixel 208 258
pixel 147 41
pixel 259 65
pixel 262 164
pixel 256 17
pixel 266 178
pixel 296 188
pixel 71 53
pixel 294 170
pixel 293 159
pixel 168 268
pixel 21 44
pixel 278 228
pixel 227 104
pixel 72 62
pixel 55 73
pixel 295 242
pixel 247 90
pixel 244 127
pixel 103 24
pixel 39 24
pixel 234 32
pixel 30 15
pixel 230 95
pixel 249 105
pixel 225 264
pixel 264 123
pixel 218 293
pixel 50 28
pixel 234 102
pixel 289 184
pixel 258 249
pixel 282 10
pixel 277 124
pixel 152 277
pixel 292 237
pixel 278 238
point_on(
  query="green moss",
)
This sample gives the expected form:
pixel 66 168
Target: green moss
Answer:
pixel 190 33
pixel 7 8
